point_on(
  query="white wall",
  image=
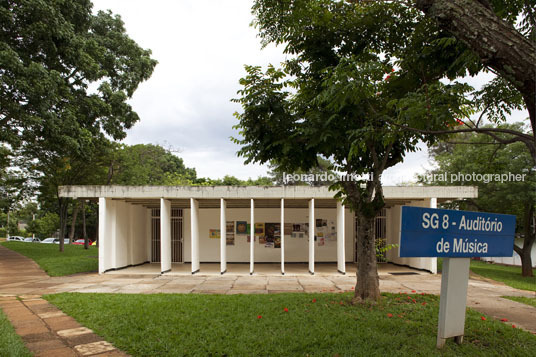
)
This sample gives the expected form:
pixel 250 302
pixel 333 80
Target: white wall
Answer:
pixel 515 259
pixel 296 249
pixel 122 234
pixel 393 237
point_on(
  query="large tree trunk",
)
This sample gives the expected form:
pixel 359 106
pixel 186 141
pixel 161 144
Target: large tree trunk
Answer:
pixel 367 287
pixel 63 205
pixel 528 242
pixel 499 45
pixel 73 222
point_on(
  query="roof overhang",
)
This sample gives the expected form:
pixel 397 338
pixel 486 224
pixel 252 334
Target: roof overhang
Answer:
pixel 180 195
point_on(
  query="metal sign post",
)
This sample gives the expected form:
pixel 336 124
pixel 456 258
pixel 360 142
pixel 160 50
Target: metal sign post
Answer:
pixel 457 236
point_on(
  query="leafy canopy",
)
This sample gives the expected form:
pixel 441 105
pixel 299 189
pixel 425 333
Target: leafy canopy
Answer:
pixel 354 72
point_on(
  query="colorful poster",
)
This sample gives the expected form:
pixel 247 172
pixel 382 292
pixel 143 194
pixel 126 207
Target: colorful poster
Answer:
pixel 241 227
pixel 214 233
pixel 321 241
pixel 288 229
pixel 230 233
pixel 259 228
pixel 277 242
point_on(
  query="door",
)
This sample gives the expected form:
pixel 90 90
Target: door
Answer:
pixel 176 235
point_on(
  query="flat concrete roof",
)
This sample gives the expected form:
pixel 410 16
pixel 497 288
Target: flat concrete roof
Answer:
pixel 442 193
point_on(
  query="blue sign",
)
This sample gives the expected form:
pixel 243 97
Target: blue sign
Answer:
pixel 431 232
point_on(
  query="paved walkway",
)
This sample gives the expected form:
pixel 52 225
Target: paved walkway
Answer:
pixel 20 276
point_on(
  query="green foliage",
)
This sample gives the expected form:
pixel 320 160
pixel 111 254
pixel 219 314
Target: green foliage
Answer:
pixel 510 275
pixel 203 325
pixel 66 77
pixel 51 52
pixel 523 300
pixel 45 226
pixel 473 153
pixel 10 343
pixel 148 164
pixel 74 259
pixel 357 70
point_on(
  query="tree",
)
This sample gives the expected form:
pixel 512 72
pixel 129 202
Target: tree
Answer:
pixel 337 96
pixel 503 36
pixel 145 164
pixel 65 79
pixel 476 154
pixel 320 174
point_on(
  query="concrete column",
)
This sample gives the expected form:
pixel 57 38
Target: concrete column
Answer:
pixel 433 202
pixel 165 235
pixel 283 236
pixel 312 236
pixel 131 234
pixel 111 217
pixel 194 228
pixel 223 237
pixel 433 261
pixel 252 238
pixel 103 233
pixel 341 260
pixel 148 232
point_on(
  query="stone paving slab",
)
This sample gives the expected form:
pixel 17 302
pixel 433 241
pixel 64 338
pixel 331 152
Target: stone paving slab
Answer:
pixel 94 348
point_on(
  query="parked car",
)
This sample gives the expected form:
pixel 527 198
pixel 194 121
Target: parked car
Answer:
pixel 15 239
pixel 57 241
pixel 48 240
pixel 32 240
pixel 81 242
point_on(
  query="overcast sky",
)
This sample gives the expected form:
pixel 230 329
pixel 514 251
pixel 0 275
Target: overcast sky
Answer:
pixel 201 47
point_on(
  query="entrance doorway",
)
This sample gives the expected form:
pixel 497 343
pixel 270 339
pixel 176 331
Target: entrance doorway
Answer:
pixel 176 235
pixel 380 228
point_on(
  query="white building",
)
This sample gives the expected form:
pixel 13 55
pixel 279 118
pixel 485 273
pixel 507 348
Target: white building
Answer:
pixel 176 229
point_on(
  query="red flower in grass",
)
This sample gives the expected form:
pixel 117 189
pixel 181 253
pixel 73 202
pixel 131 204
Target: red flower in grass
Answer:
pixel 413 301
pixel 413 291
pixel 389 315
pixel 422 293
pixel 513 326
pixel 314 300
pixel 423 304
pixel 341 303
pixel 285 309
pixel 483 318
pixel 504 320
pixel 259 317
pixel 387 78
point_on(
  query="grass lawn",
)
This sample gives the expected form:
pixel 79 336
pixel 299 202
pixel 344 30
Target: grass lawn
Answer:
pixel 75 259
pixel 522 299
pixel 315 324
pixel 10 343
pixel 510 275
